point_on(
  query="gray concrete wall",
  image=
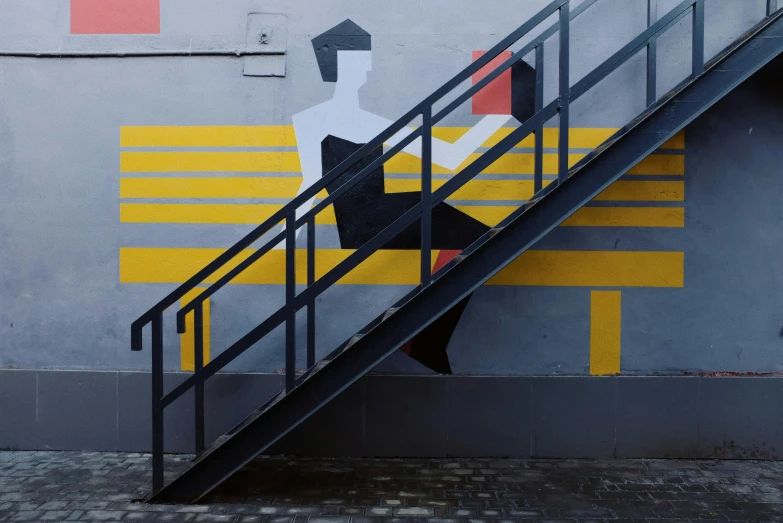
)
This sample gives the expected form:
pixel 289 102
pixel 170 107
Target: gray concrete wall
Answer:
pixel 63 305
pixel 545 417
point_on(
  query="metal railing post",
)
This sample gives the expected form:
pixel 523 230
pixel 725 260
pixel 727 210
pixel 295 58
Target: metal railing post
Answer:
pixel 198 343
pixel 426 197
pixel 565 94
pixel 652 54
pixel 538 174
pixel 290 294
pixel 157 407
pixel 310 282
pixel 772 6
pixel 698 38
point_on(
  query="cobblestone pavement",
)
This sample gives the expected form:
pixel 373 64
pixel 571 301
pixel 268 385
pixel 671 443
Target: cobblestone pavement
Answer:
pixel 72 486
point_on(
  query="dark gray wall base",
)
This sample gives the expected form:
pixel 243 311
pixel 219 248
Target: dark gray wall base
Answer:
pixel 383 415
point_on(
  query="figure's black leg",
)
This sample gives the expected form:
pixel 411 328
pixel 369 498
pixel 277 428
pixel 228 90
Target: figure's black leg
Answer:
pixel 429 346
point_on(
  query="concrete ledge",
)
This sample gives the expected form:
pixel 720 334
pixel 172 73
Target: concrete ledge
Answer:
pixel 385 415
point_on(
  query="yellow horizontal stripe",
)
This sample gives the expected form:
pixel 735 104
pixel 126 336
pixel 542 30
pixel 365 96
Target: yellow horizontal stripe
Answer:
pixel 287 187
pixel 523 163
pixel 219 213
pixel 284 187
pixel 579 138
pixel 208 136
pixel 644 192
pixel 472 190
pixel 594 269
pixel 163 265
pixel 488 214
pixel 145 162
pixel 627 217
pixel 591 216
pixel 196 213
pixel 660 164
pixel 510 163
pixel 284 136
pixel 541 268
pixel 523 190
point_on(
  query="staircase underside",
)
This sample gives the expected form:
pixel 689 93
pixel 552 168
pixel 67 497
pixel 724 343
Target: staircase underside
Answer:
pixel 516 234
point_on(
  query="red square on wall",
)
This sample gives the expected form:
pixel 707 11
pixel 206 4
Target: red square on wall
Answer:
pixel 115 16
pixel 496 97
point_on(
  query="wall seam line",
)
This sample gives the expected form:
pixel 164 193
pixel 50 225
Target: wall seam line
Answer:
pixel 117 411
pixel 37 420
pixel 616 390
pixel 698 416
pixel 532 422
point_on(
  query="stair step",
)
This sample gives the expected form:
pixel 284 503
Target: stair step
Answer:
pixel 637 139
pixel 227 436
pixel 257 413
pixel 389 312
pixel 353 340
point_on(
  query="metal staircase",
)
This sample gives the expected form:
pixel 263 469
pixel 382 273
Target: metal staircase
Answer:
pixel 437 293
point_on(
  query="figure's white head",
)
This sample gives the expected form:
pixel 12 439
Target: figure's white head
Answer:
pixel 352 68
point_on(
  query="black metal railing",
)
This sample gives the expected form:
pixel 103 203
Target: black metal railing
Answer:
pixel 306 299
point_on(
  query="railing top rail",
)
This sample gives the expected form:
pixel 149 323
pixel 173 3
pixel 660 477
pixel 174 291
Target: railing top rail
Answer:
pixel 577 90
pixel 353 159
pixel 438 196
pixel 422 209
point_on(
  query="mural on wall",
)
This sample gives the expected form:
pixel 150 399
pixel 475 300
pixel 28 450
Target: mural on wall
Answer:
pixel 174 175
pixel 330 132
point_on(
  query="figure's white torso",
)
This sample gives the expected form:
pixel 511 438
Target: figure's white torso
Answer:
pixel 342 117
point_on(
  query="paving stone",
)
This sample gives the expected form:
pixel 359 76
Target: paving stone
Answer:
pixel 527 514
pixel 26 515
pixel 251 519
pixel 138 516
pixel 72 486
pixel 53 505
pixel 103 515
pixel 413 511
pixel 216 518
pixel 297 511
pixel 55 515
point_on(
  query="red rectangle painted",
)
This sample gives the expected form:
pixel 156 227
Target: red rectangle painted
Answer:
pixel 496 97
pixel 115 16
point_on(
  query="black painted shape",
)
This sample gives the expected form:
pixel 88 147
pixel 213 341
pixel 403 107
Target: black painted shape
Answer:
pixel 429 346
pixel 366 209
pixel 523 91
pixel 345 36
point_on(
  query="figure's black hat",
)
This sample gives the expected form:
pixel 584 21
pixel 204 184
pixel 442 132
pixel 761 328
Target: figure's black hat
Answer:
pixel 345 36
